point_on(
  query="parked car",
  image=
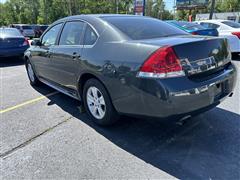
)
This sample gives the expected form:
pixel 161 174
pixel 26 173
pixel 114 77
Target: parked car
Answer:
pixel 12 43
pixel 194 28
pixel 43 28
pixel 226 29
pixel 123 64
pixel 36 29
pixel 26 30
pixel 39 29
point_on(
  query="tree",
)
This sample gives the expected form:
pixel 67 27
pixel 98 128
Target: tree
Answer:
pixel 48 11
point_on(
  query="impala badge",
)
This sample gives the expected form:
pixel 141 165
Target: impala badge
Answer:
pixel 200 65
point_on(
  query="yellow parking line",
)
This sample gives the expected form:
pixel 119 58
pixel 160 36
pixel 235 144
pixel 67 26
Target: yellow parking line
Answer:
pixel 27 102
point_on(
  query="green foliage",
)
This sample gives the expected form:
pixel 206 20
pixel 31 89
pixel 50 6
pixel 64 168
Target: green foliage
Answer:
pixel 48 11
pixel 156 8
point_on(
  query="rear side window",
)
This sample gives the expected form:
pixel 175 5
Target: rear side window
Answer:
pixel 50 37
pixel 90 36
pixel 231 24
pixel 138 28
pixel 72 33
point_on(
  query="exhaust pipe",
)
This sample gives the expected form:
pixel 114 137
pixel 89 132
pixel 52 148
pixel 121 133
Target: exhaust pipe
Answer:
pixel 184 119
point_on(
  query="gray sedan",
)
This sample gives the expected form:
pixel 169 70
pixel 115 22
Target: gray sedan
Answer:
pixel 123 64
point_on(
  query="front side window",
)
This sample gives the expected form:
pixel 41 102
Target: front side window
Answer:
pixel 72 33
pixel 90 36
pixel 50 37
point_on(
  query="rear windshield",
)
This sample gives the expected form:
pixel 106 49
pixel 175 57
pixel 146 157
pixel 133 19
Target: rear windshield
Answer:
pixel 188 25
pixel 143 28
pixel 26 27
pixel 231 24
pixel 9 33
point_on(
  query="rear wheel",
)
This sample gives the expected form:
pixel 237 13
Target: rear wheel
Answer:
pixel 98 103
pixel 31 74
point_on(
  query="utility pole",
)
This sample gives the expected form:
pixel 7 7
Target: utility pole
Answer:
pixel 212 9
pixel 116 6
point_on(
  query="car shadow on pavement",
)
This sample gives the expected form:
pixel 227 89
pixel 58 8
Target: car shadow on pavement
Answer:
pixel 205 147
pixel 11 61
pixel 236 57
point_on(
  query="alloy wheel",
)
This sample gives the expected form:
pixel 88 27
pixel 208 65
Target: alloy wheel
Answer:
pixel 96 103
pixel 30 72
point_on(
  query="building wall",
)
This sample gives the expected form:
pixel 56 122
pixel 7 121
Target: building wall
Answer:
pixel 234 16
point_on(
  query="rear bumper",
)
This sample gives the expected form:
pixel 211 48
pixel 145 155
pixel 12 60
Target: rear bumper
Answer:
pixel 13 51
pixel 177 96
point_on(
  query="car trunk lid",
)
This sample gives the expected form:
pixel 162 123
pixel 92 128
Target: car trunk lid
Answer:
pixel 11 42
pixel 197 54
pixel 203 56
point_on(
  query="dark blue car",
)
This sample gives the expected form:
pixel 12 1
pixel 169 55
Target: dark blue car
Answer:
pixel 194 28
pixel 12 43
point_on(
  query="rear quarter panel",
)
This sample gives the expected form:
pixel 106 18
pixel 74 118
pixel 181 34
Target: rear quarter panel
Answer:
pixel 116 65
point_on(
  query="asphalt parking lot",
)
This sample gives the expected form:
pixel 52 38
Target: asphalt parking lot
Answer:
pixel 44 136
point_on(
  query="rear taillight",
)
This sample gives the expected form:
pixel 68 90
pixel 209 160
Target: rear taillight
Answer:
pixel 194 33
pixel 26 42
pixel 163 63
pixel 236 34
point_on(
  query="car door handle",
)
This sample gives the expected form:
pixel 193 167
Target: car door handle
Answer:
pixel 76 56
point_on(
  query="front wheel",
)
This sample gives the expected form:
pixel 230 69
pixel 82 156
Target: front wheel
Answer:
pixel 31 74
pixel 98 103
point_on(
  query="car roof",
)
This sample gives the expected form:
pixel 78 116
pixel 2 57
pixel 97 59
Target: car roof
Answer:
pixel 105 15
pixel 97 16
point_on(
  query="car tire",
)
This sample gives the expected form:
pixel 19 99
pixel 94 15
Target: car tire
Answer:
pixel 31 74
pixel 98 104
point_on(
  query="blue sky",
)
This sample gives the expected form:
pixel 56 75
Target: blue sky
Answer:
pixel 169 4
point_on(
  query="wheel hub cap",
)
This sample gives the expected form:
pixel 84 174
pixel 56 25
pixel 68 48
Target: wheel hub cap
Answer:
pixel 96 103
pixel 31 73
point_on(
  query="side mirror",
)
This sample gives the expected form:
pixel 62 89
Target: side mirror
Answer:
pixel 36 42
